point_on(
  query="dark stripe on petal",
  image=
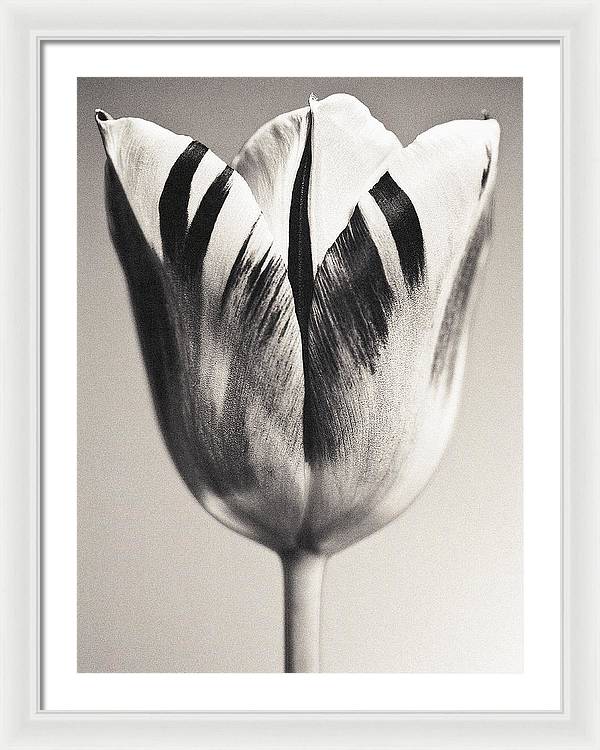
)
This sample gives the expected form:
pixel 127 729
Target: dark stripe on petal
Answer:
pixel 198 236
pixel 486 171
pixel 162 338
pixel 349 325
pixel 454 321
pixel 405 227
pixel 173 204
pixel 300 270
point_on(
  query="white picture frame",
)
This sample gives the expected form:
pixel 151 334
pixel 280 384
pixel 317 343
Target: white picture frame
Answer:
pixel 576 25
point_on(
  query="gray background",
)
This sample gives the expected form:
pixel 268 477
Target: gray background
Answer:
pixel 163 587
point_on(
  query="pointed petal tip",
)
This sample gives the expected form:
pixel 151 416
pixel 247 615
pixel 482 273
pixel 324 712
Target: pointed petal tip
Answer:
pixel 494 127
pixel 102 118
pixel 491 121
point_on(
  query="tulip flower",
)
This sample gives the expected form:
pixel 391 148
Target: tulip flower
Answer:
pixel 303 317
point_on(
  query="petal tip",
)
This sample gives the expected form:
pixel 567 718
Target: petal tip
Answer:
pixel 494 126
pixel 490 120
pixel 102 118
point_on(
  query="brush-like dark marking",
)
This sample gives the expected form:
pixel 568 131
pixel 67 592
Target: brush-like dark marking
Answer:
pixel 173 203
pixel 258 284
pixel 236 270
pixel 261 383
pixel 265 282
pixel 349 326
pixel 198 235
pixel 353 297
pixel 453 323
pixel 405 227
pixel 254 300
pixel 270 318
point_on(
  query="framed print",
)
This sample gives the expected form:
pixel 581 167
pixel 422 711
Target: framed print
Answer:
pixel 299 324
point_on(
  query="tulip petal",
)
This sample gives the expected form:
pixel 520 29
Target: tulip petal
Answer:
pixel 349 148
pixel 269 162
pixel 143 155
pixel 216 322
pixel 159 331
pixel 252 371
pixel 388 328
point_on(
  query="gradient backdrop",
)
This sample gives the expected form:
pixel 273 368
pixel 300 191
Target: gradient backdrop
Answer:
pixel 163 587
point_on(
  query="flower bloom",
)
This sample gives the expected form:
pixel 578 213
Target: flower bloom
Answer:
pixel 303 314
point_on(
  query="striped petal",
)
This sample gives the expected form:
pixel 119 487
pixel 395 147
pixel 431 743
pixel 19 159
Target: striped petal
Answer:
pixel 350 149
pixel 387 331
pixel 339 144
pixel 269 163
pixel 215 317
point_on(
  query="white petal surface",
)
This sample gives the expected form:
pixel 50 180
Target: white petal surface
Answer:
pixel 350 150
pixel 269 162
pixel 142 154
pixel 442 173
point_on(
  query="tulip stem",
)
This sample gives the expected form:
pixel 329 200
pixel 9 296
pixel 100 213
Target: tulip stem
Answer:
pixel 302 581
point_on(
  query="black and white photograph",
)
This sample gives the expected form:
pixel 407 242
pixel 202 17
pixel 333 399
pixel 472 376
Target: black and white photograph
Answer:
pixel 299 375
